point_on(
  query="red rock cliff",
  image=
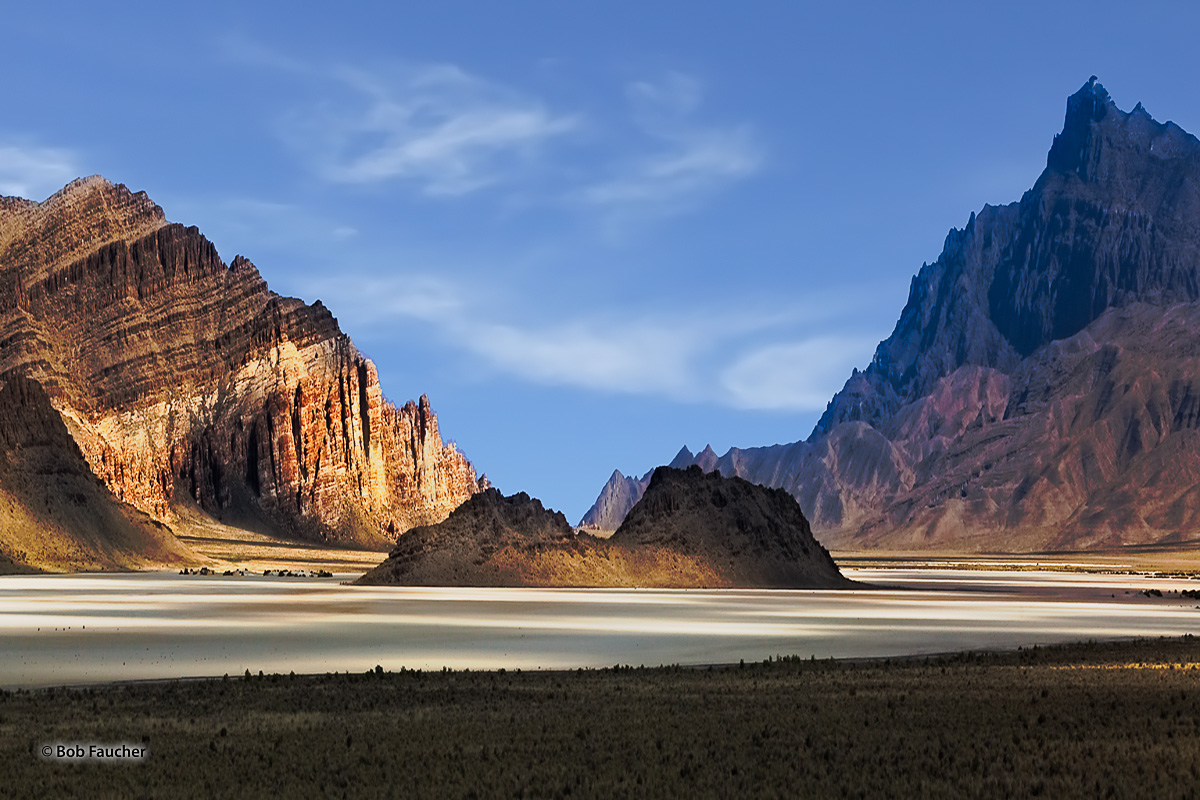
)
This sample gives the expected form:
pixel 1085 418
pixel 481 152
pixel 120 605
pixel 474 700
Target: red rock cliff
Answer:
pixel 180 376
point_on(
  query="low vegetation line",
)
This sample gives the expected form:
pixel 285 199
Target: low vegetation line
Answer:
pixel 1018 723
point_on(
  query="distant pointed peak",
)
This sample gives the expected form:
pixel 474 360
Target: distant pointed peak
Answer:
pixel 91 180
pixel 682 458
pixel 707 451
pixel 616 476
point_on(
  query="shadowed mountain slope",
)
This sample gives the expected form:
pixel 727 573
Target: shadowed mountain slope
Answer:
pixel 54 512
pixel 1039 388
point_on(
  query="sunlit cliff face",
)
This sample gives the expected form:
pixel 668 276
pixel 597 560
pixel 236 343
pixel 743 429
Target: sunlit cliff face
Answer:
pixel 185 381
pixel 80 629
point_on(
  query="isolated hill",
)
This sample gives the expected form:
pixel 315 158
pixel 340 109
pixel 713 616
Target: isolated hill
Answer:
pixel 177 374
pixel 752 535
pixel 690 530
pixel 1040 387
pixel 490 540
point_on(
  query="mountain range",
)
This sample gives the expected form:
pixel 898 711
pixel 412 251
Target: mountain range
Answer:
pixel 1041 388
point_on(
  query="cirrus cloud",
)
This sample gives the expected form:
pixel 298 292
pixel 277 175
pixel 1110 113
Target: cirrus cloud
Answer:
pixel 442 129
pixel 729 357
pixel 687 159
pixel 448 133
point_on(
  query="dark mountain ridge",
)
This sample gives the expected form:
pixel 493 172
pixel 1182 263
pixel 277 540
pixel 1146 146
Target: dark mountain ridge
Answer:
pixel 1039 388
pixel 1114 219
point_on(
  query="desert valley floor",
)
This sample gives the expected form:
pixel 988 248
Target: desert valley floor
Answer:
pixel 95 628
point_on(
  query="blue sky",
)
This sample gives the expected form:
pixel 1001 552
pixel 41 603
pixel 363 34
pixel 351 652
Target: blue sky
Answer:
pixel 591 232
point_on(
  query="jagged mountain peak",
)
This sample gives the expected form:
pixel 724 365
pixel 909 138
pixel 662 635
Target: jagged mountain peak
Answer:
pixel 1094 90
pixel 1098 137
pixel 682 459
pixel 77 186
pixel 98 185
pixel 96 182
pixel 1090 105
pixel 79 219
pixel 707 458
pixel 1114 219
pixel 619 494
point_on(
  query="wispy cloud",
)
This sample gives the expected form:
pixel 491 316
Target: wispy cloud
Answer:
pixel 637 356
pixel 688 159
pixel 711 356
pixel 420 297
pixel 793 376
pixel 238 48
pixel 664 101
pixel 436 126
pixel 35 172
pixel 625 355
pixel 449 132
pixel 694 161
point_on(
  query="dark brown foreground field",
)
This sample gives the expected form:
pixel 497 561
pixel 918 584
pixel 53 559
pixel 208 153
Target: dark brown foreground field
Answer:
pixel 1082 721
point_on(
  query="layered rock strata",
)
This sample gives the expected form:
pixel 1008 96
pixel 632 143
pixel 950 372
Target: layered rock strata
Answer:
pixel 176 373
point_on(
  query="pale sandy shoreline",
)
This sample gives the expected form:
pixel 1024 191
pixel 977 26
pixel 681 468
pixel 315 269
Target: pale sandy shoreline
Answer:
pixel 914 658
pixel 103 628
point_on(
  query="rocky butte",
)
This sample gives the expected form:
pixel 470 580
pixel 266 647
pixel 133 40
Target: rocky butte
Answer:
pixel 1041 388
pixel 689 530
pixel 181 381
